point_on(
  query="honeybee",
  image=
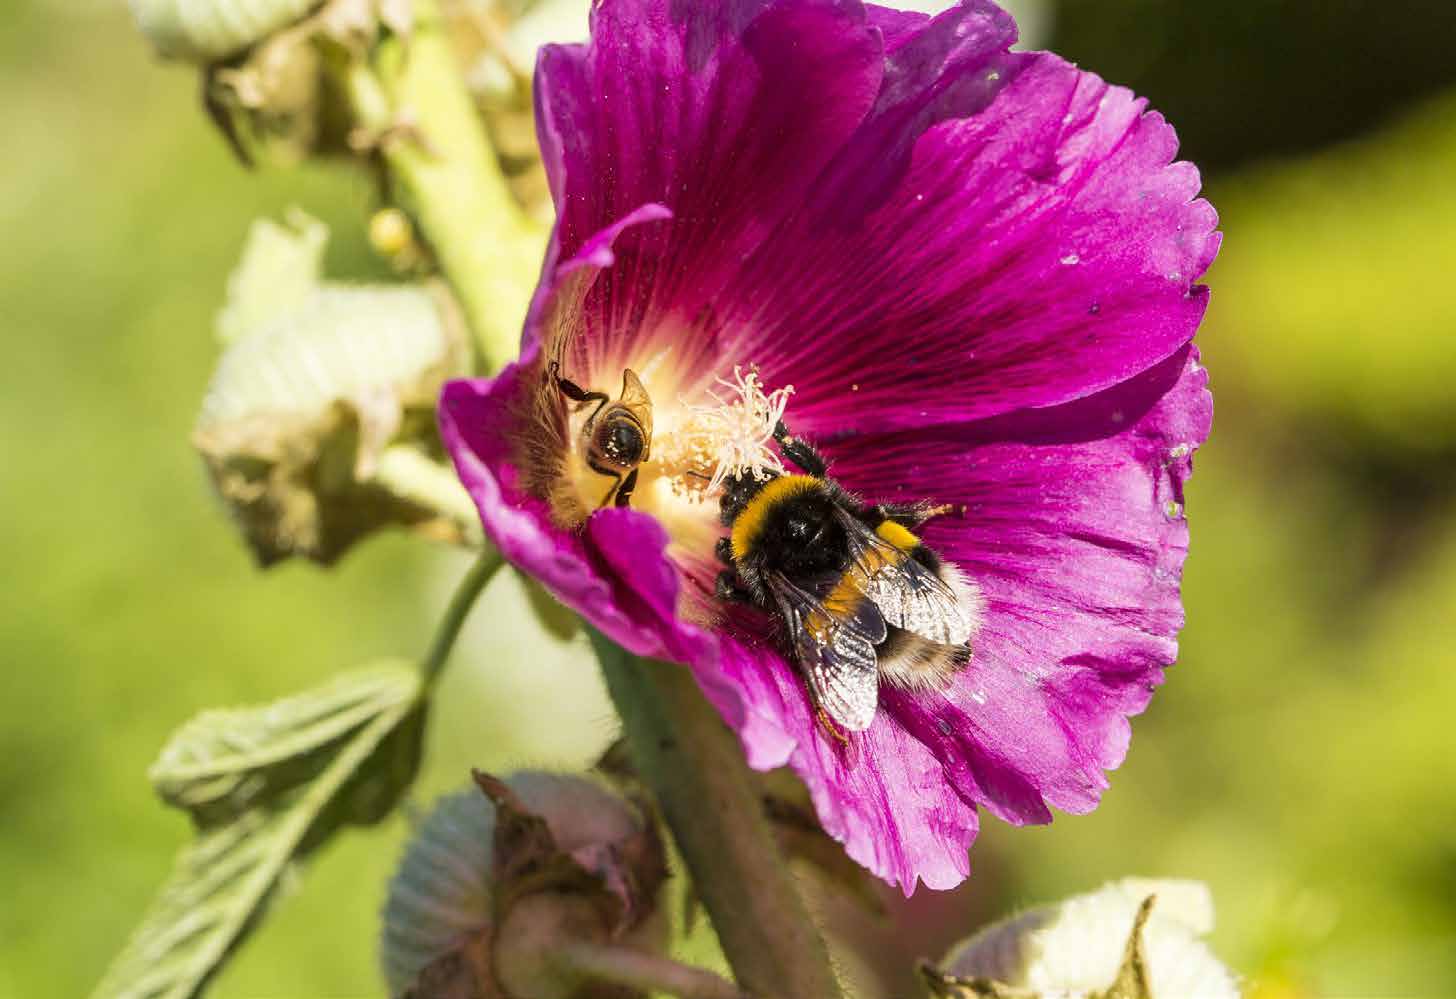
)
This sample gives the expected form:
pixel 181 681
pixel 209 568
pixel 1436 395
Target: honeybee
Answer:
pixel 617 436
pixel 859 597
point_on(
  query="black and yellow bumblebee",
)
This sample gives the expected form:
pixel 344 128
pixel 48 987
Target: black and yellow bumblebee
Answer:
pixel 859 597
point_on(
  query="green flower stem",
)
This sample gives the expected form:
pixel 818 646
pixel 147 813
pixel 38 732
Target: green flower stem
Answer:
pixel 411 99
pixel 470 588
pixel 408 473
pixel 644 971
pixel 694 766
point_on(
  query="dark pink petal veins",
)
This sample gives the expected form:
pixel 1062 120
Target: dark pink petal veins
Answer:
pixel 978 269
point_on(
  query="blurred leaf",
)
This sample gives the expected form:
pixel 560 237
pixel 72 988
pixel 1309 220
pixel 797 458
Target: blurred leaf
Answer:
pixel 265 786
pixel 315 380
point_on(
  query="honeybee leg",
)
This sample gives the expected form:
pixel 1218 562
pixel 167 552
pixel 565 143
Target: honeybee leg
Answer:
pixel 729 589
pixel 800 451
pixel 576 393
pixel 724 550
pixel 616 480
pixel 624 491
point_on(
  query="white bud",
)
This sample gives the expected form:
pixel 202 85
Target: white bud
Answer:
pixel 206 31
pixel 1074 949
pixel 316 378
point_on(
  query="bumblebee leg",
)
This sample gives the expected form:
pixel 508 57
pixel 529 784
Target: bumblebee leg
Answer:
pixel 831 729
pixel 911 515
pixel 624 491
pixel 737 491
pixel 800 451
pixel 724 550
pixel 729 589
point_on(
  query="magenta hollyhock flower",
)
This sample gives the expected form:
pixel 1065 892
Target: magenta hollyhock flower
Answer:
pixel 975 269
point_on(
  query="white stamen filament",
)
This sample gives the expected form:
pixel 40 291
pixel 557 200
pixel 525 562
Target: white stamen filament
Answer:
pixel 732 435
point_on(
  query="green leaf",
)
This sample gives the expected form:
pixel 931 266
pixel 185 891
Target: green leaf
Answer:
pixel 265 786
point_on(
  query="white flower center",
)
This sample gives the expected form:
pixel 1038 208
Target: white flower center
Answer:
pixel 732 435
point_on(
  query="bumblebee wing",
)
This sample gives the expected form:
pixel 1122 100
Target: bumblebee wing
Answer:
pixel 909 595
pixel 835 650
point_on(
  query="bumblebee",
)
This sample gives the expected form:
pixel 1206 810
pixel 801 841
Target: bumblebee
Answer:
pixel 617 436
pixel 859 597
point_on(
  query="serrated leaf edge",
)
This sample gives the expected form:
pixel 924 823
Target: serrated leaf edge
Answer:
pixel 291 833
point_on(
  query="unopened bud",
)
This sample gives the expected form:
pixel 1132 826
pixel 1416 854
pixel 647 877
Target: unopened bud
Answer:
pixel 392 235
pixel 390 231
pixel 1132 939
pixel 316 379
pixel 207 31
pixel 493 885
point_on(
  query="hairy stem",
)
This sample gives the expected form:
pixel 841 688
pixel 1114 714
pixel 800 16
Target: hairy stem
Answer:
pixel 461 602
pixel 412 100
pixel 648 972
pixel 696 770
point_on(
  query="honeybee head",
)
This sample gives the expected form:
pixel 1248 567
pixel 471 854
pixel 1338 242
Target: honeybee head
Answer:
pixel 617 437
pixel 619 434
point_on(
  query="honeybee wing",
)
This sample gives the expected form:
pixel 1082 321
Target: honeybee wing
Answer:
pixel 835 647
pixel 908 594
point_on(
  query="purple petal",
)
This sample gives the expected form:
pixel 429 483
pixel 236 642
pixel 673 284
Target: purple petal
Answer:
pixel 564 284
pixel 1036 252
pixel 474 419
pixel 977 268
pixel 1074 532
pixel 885 796
pixel 685 104
pixel 1068 532
pixel 1010 231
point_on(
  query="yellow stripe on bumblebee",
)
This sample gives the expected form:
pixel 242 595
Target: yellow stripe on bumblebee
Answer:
pixel 898 535
pixel 748 525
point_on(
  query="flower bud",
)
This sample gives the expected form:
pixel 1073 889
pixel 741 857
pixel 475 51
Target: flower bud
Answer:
pixel 206 31
pixel 494 883
pixel 316 379
pixel 1131 939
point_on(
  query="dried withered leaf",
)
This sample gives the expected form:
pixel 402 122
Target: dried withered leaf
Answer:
pixel 463 973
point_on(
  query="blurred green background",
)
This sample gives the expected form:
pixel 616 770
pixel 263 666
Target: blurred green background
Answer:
pixel 1301 758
